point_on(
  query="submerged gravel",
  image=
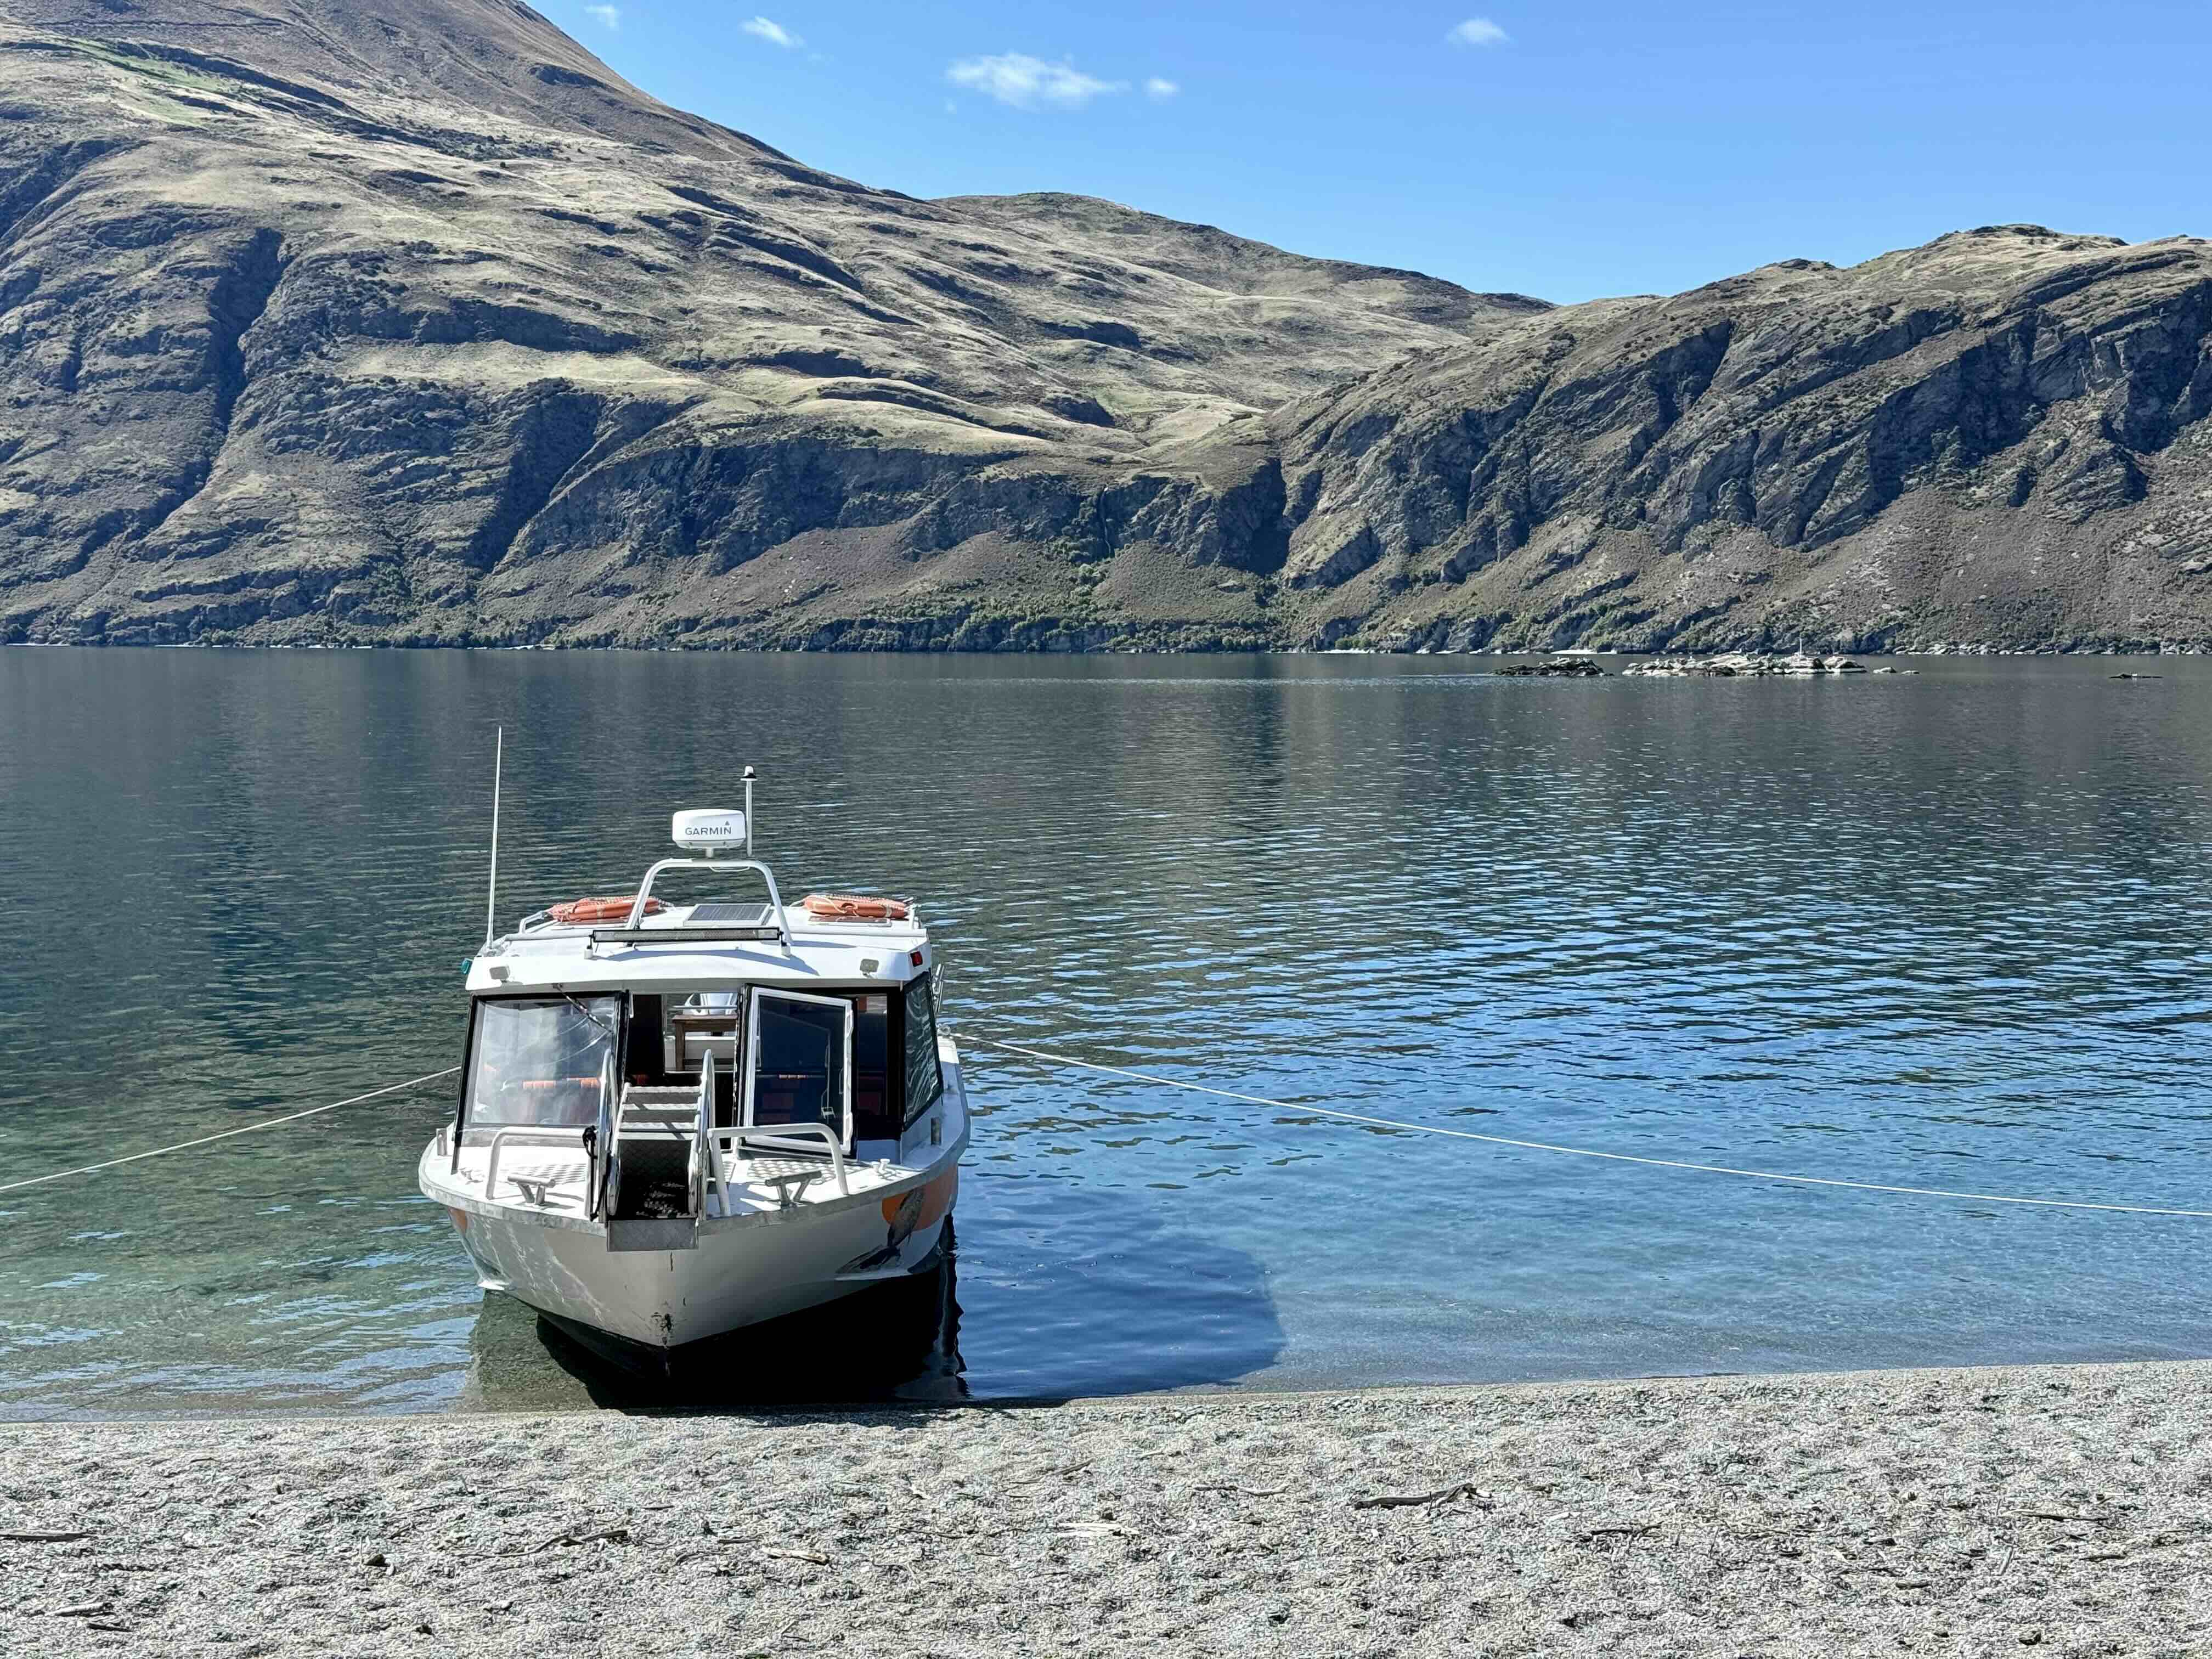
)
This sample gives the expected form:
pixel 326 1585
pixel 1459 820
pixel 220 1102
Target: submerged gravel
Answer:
pixel 2059 1510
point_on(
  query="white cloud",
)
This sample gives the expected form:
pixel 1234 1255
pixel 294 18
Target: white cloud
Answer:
pixel 768 29
pixel 1160 88
pixel 1477 32
pixel 611 15
pixel 1024 81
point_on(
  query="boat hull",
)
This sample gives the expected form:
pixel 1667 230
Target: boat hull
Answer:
pixel 780 1251
pixel 739 1270
pixel 908 1334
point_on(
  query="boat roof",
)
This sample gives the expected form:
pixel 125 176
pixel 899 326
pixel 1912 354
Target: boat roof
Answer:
pixel 705 946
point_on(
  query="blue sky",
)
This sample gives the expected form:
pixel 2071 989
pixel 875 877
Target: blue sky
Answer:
pixel 1566 150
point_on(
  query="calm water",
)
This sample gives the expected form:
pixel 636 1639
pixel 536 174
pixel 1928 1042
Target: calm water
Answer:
pixel 1946 930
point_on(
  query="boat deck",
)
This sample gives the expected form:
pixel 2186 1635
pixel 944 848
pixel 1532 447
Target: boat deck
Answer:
pixel 556 1183
pixel 514 1172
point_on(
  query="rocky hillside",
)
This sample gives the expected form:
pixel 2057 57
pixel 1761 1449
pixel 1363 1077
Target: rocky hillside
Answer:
pixel 1999 438
pixel 408 320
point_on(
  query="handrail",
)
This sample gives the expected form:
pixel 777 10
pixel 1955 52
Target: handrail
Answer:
pixel 541 1134
pixel 768 1135
pixel 603 1141
pixel 774 897
pixel 701 1151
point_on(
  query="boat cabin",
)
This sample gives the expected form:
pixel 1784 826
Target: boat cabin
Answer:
pixel 818 1022
pixel 858 1060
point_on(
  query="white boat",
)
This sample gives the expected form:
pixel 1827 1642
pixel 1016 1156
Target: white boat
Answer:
pixel 680 1119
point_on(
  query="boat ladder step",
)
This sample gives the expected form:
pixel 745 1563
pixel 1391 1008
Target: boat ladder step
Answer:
pixel 650 1233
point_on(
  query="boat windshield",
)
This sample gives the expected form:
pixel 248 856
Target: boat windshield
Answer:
pixel 541 1060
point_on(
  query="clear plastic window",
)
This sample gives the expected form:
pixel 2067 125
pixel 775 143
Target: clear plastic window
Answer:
pixel 798 1063
pixel 541 1060
pixel 924 1081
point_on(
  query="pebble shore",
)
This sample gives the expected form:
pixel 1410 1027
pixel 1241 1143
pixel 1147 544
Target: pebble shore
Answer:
pixel 2046 1509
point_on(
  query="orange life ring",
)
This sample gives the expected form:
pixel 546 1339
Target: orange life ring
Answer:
pixel 613 908
pixel 852 906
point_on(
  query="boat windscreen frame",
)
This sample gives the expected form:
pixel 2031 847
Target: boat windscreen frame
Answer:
pixel 620 998
pixel 467 1082
pixel 750 1060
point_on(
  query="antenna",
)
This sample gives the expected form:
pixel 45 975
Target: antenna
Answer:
pixel 491 897
pixel 749 812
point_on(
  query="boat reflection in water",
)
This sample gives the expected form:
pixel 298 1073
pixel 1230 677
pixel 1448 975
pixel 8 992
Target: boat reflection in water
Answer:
pixel 896 1342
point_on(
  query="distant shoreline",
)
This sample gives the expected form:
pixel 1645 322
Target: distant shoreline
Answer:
pixel 1961 1511
pixel 1926 652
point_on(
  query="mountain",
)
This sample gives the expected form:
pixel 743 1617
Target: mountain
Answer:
pixel 1998 438
pixel 385 322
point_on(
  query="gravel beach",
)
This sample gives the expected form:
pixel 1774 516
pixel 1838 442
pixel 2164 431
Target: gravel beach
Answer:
pixel 2066 1509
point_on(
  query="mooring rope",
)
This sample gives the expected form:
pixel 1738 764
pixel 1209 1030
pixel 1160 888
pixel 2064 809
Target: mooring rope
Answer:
pixel 1578 1152
pixel 243 1129
pixel 1305 1110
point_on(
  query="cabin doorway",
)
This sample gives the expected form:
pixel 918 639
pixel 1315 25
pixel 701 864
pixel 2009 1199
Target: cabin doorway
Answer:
pixel 799 1049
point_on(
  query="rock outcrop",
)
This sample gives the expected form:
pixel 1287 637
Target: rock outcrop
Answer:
pixel 390 321
pixel 1997 437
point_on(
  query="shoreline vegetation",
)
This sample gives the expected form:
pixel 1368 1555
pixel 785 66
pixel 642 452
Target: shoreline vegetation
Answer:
pixel 1753 661
pixel 1971 1511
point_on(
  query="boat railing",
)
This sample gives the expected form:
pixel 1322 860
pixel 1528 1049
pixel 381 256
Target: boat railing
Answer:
pixel 772 926
pixel 719 1147
pixel 804 1139
pixel 705 1157
pixel 533 1134
pixel 601 1145
pixel 714 1148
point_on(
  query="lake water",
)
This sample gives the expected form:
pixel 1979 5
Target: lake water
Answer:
pixel 1944 930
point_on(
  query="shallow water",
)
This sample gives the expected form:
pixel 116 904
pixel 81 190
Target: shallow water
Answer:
pixel 1943 930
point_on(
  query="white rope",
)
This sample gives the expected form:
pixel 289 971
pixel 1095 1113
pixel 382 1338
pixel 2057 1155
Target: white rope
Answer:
pixel 1050 1058
pixel 1581 1152
pixel 245 1129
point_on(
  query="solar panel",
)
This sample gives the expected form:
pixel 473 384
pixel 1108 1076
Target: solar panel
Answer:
pixel 741 916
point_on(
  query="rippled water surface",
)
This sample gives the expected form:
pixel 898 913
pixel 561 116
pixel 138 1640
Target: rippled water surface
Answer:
pixel 1941 930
